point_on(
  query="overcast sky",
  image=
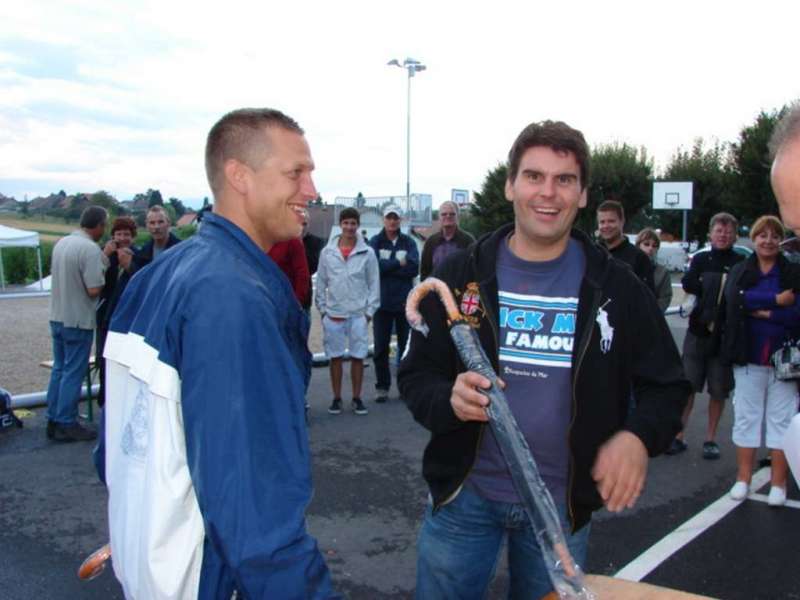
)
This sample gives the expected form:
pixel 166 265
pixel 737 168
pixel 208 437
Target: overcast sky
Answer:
pixel 120 95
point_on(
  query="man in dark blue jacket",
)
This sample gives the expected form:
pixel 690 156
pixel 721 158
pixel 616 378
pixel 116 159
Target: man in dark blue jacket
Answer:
pixel 161 238
pixel 398 259
pixel 208 458
pixel 701 358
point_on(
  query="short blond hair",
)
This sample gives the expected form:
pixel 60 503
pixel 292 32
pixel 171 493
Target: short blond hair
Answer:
pixel 239 135
pixel 723 218
pixel 157 208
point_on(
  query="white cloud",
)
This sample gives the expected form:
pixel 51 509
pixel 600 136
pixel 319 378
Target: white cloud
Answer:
pixel 138 84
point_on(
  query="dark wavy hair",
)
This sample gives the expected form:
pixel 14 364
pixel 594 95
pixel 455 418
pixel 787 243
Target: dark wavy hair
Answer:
pixel 556 135
pixel 124 223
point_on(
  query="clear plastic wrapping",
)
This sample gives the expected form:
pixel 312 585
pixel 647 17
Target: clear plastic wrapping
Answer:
pixel 565 574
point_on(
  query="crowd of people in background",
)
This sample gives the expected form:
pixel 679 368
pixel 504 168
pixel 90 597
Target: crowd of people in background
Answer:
pixel 220 314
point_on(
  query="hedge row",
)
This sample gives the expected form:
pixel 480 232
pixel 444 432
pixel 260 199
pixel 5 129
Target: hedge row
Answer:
pixel 20 266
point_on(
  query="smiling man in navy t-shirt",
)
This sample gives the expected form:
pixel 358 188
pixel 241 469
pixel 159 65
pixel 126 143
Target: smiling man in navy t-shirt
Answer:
pixel 571 332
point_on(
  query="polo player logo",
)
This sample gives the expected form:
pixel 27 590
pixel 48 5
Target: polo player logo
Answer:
pixel 471 300
pixel 606 330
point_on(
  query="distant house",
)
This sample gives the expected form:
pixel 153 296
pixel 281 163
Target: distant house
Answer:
pixel 189 218
pixel 7 204
pixel 136 205
pixel 48 203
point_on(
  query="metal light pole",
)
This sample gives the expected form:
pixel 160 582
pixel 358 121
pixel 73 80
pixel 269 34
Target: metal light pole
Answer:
pixel 411 66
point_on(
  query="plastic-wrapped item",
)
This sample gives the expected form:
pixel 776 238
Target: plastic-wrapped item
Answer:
pixel 565 574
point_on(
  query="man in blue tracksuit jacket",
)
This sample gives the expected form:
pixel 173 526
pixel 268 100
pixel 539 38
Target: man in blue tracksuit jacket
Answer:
pixel 208 463
pixel 398 261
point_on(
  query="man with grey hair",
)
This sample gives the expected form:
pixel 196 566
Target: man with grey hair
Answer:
pixel 78 274
pixel 161 238
pixel 207 453
pixel 444 242
pixel 785 151
pixel 701 358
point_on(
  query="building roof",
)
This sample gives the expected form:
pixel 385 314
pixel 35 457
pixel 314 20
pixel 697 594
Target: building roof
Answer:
pixel 187 219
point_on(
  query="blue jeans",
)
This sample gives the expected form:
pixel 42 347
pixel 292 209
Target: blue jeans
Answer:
pixel 459 545
pixel 99 450
pixel 72 347
pixel 382 323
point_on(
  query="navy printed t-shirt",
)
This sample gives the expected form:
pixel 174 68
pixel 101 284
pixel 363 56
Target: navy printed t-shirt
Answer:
pixel 538 307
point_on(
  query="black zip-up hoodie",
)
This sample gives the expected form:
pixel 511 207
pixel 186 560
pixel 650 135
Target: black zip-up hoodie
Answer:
pixel 703 280
pixel 642 356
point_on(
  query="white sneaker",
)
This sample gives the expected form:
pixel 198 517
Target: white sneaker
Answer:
pixel 739 490
pixel 777 496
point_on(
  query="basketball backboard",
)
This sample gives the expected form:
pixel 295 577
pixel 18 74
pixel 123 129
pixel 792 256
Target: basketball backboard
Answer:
pixel 672 195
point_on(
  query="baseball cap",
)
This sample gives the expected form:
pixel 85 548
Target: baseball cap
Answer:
pixel 392 209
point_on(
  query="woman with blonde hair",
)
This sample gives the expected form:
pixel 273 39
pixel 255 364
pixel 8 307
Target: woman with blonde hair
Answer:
pixel 762 311
pixel 648 242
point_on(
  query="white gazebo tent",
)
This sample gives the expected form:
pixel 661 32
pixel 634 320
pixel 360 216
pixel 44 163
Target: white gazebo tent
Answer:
pixel 19 238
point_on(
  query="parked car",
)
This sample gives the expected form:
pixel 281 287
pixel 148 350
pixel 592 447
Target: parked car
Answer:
pixel 791 249
pixel 743 250
pixel 672 256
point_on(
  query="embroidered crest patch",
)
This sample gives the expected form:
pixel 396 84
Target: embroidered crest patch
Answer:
pixel 471 300
pixel 470 304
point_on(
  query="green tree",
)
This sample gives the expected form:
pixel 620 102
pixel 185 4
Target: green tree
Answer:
pixel 185 231
pixel 106 200
pixel 751 163
pixel 491 208
pixel 173 217
pixel 75 209
pixel 177 206
pixel 713 190
pixel 468 222
pixel 15 265
pixel 619 172
pixel 153 198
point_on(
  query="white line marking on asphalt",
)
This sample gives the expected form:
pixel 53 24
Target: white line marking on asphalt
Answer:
pixel 639 567
pixel 764 497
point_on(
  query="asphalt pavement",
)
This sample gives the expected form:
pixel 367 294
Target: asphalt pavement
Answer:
pixel 369 497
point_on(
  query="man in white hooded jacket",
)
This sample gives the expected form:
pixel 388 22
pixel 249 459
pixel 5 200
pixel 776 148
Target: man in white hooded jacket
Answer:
pixel 347 296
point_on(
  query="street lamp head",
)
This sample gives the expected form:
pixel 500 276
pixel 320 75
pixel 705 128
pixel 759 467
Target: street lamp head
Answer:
pixel 394 62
